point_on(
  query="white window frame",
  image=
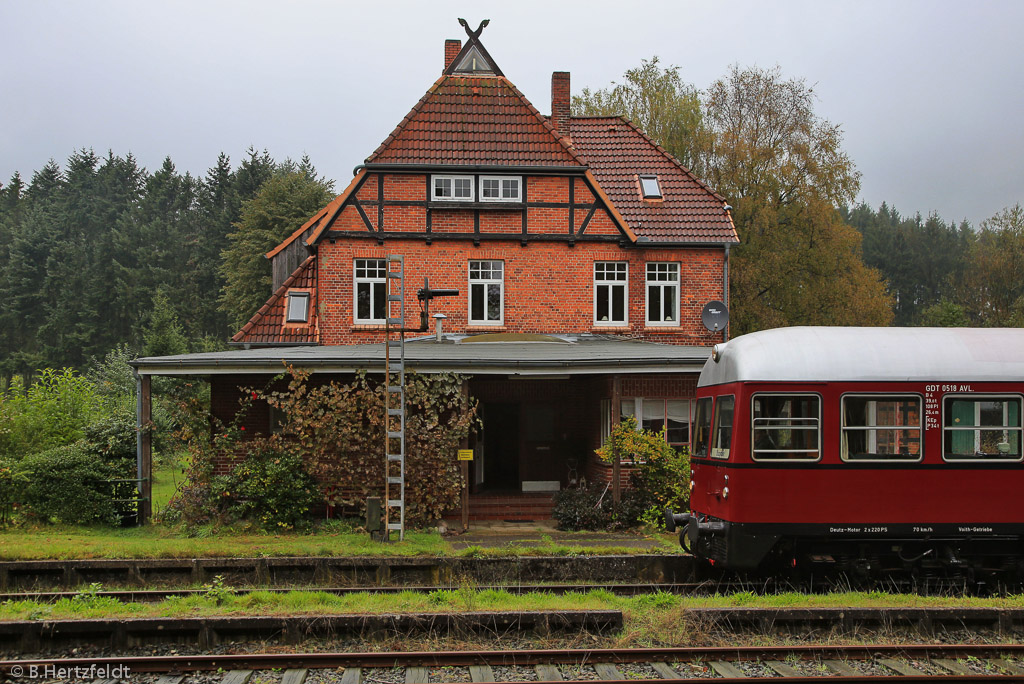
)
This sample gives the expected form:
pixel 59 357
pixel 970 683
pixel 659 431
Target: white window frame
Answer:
pixel 977 429
pixel 872 430
pixel 639 403
pixel 434 197
pixel 657 184
pixel 611 284
pixel 357 280
pixel 487 283
pixel 297 294
pixel 783 423
pixel 502 197
pixel 663 285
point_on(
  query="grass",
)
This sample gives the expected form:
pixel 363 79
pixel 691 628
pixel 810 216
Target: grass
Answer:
pixel 60 543
pixel 332 538
pixel 165 482
pixel 645 615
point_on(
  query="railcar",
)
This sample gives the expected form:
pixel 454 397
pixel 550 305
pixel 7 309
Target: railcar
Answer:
pixel 864 449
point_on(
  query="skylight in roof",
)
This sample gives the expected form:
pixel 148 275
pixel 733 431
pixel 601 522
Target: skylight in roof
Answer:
pixel 298 307
pixel 649 187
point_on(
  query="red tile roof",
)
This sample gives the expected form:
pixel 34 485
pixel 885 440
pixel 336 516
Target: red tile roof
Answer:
pixel 466 120
pixel 618 152
pixel 267 326
pixel 317 221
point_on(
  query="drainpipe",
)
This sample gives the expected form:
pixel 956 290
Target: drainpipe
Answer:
pixel 725 291
pixel 138 429
pixel 143 445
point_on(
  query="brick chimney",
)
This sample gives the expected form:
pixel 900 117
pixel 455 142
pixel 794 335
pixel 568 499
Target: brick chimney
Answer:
pixel 451 51
pixel 560 102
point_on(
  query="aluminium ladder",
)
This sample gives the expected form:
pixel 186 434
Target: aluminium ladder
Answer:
pixel 394 399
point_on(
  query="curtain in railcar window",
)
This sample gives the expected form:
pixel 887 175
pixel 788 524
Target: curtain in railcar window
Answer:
pixel 881 428
pixel 981 428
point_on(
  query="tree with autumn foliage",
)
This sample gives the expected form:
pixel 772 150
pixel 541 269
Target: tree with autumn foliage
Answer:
pixel 782 168
pixel 992 286
pixel 785 173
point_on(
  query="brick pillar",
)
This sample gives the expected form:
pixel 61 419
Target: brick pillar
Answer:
pixel 451 51
pixel 560 102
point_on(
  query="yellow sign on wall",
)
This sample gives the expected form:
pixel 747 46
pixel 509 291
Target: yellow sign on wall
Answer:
pixel 465 454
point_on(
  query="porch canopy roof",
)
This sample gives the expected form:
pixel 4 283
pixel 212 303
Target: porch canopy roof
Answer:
pixel 492 354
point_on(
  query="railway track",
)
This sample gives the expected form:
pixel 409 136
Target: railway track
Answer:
pixel 919 663
pixel 121 634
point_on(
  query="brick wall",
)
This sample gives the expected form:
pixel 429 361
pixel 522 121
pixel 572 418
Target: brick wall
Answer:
pixel 548 287
pixel 548 284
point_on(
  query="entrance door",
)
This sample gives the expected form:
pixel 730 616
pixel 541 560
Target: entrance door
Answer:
pixel 501 446
pixel 542 460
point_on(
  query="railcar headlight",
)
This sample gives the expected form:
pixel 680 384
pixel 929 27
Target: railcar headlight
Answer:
pixel 692 485
pixel 716 353
pixel 725 493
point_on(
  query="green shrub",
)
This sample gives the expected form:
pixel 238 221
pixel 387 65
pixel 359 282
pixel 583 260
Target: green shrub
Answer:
pixel 53 411
pixel 591 508
pixel 270 487
pixel 582 508
pixel 12 485
pixel 69 484
pixel 660 477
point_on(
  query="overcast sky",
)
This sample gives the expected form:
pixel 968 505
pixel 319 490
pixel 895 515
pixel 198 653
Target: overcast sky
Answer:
pixel 930 94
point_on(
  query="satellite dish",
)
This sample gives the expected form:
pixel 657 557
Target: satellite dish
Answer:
pixel 714 316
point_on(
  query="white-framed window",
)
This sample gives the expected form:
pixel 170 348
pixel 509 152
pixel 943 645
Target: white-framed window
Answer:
pixel 610 285
pixel 452 188
pixel 981 428
pixel 662 293
pixel 669 415
pixel 298 308
pixel 501 189
pixel 786 427
pixel 486 292
pixel 649 187
pixel 881 428
pixel 370 290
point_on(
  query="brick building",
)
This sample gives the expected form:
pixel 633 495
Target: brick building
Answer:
pixel 582 252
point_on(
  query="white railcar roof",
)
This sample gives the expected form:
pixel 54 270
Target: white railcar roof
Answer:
pixel 819 354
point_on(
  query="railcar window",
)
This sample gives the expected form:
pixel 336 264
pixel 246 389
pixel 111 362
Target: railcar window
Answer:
pixel 702 428
pixel 721 440
pixel 881 428
pixel 786 427
pixel 975 428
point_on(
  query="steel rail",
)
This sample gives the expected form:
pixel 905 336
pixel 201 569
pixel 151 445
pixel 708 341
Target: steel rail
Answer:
pixel 266 661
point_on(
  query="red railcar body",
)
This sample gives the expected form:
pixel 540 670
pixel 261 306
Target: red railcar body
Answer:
pixel 865 448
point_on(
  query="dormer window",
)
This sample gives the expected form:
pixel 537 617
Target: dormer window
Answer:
pixel 453 188
pixel 649 187
pixel 501 189
pixel 298 307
